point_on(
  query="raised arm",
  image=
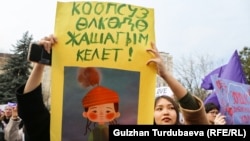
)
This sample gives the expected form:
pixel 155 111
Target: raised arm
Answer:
pixel 191 106
pixel 35 77
pixel 31 107
pixel 178 89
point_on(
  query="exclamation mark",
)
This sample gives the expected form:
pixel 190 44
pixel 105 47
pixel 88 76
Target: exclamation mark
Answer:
pixel 130 53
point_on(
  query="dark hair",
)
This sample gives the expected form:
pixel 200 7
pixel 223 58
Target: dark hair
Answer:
pixel 210 106
pixel 176 106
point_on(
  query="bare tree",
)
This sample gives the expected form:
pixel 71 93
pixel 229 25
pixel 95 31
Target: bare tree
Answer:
pixel 191 70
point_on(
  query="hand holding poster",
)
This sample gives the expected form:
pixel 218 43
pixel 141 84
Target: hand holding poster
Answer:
pixel 234 99
pixel 99 71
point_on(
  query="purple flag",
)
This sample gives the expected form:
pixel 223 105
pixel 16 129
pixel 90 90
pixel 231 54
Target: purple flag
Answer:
pixel 231 71
pixel 234 70
pixel 207 82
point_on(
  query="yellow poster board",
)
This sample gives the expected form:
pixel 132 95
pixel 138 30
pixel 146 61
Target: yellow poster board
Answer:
pixel 112 38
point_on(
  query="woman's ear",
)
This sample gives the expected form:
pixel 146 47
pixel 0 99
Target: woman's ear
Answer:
pixel 118 114
pixel 84 114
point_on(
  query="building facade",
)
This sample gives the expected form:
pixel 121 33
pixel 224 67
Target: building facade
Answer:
pixel 168 60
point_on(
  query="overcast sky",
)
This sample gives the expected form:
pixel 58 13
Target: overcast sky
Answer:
pixel 182 27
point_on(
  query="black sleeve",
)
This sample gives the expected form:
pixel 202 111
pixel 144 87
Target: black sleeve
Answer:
pixel 189 102
pixel 33 112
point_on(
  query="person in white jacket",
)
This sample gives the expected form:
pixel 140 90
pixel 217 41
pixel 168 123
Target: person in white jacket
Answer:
pixel 12 130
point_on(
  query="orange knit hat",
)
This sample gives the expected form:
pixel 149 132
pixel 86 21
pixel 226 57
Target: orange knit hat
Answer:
pixel 100 95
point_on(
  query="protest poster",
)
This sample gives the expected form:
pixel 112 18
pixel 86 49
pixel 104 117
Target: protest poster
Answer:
pixel 234 99
pixel 104 43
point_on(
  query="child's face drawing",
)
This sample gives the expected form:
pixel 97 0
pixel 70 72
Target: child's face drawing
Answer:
pixel 101 113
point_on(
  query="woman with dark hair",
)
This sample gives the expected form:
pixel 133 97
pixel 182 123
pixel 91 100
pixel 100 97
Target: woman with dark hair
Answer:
pixel 191 107
pixel 213 115
pixel 166 111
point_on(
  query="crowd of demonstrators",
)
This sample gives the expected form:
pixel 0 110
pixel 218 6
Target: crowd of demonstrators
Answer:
pixel 213 115
pixel 11 124
pixel 31 94
pixel 166 109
